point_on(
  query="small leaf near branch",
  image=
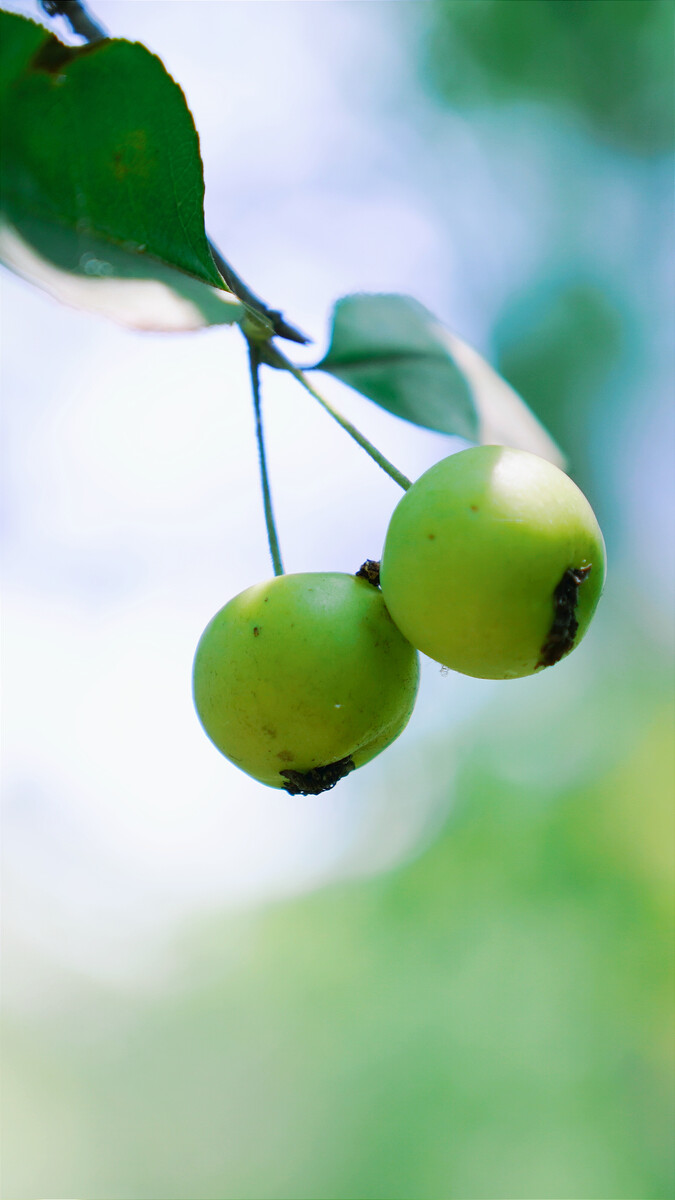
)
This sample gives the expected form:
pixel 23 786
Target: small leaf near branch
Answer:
pixel 389 348
pixel 504 417
pixel 102 176
pixel 394 351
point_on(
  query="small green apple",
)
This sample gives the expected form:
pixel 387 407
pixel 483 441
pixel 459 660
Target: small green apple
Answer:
pixel 493 563
pixel 303 678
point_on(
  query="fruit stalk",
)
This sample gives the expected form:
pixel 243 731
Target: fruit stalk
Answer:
pixel 273 540
pixel 274 358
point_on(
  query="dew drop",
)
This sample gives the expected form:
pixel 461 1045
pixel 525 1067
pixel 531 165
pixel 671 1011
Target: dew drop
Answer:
pixel 91 265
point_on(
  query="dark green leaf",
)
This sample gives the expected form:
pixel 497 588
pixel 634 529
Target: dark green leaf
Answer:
pixel 20 40
pixel 102 177
pixel 394 351
pixel 389 348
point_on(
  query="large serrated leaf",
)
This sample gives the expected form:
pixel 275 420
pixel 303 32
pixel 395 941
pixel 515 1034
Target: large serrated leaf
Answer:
pixel 394 351
pixel 102 178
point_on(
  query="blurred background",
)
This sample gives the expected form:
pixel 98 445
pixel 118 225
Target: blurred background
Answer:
pixel 451 977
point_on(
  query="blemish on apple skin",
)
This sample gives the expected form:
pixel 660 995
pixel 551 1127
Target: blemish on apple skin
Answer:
pixel 561 635
pixel 431 537
pixel 256 631
pixel 474 508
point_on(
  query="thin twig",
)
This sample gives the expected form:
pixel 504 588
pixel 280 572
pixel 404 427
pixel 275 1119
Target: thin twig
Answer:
pixel 254 364
pixel 77 16
pixel 242 292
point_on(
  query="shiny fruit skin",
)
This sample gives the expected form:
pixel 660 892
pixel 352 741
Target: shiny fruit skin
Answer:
pixel 474 553
pixel 302 671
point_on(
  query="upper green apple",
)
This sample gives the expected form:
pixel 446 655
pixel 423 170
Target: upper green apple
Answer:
pixel 300 679
pixel 493 563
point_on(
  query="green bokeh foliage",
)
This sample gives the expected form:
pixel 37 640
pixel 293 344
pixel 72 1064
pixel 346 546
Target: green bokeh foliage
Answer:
pixel 608 61
pixel 492 1019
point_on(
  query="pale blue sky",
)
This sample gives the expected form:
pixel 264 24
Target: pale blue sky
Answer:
pixel 132 508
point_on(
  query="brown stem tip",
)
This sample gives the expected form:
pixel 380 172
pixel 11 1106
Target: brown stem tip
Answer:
pixel 318 780
pixel 370 570
pixel 563 631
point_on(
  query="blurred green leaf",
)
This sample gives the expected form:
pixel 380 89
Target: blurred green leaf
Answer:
pixel 611 60
pixel 102 177
pixel 492 1019
pixel 560 342
pixel 394 351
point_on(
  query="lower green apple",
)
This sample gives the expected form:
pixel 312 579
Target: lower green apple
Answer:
pixel 493 563
pixel 303 678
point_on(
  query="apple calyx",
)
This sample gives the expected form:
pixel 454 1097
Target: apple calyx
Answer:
pixel 318 780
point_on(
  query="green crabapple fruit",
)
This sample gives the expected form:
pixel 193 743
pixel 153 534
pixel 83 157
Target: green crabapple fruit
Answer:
pixel 303 678
pixel 493 563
